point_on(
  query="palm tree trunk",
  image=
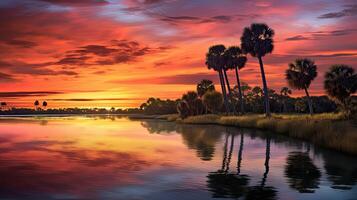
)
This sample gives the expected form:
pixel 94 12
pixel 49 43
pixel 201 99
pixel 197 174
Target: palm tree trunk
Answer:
pixel 240 153
pixel 225 153
pixel 223 90
pixel 227 82
pixel 230 153
pixel 266 164
pixel 309 101
pixel 232 107
pixel 265 88
pixel 240 92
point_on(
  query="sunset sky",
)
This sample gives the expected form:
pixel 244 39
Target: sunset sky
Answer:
pixel 104 53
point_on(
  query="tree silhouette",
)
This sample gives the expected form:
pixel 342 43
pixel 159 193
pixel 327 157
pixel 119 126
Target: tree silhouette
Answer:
pixel 257 40
pixel 284 94
pixel 340 83
pixel 215 61
pixel 300 74
pixel 235 59
pixel 204 86
pixel 36 104
pixel 44 104
pixel 3 105
pixel 190 105
pixel 213 101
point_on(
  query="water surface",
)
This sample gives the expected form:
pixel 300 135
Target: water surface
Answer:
pixel 116 158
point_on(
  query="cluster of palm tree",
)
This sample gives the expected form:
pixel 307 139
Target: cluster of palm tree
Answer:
pixel 257 40
pixel 37 105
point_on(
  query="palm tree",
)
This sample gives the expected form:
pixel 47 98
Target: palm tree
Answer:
pixel 3 105
pixel 36 104
pixel 44 104
pixel 340 83
pixel 284 94
pixel 215 61
pixel 300 74
pixel 204 86
pixel 257 40
pixel 235 59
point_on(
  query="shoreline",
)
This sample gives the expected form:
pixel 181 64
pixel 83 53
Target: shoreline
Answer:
pixel 324 130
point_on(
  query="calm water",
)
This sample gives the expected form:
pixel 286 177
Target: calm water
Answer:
pixel 116 158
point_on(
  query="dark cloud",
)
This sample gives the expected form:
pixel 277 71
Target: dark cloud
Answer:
pixel 6 78
pixel 34 68
pixel 197 20
pixel 316 35
pixel 98 99
pixel 335 55
pixel 77 2
pixel 27 94
pixel 21 43
pixel 297 38
pixel 184 79
pixel 350 10
pixel 118 51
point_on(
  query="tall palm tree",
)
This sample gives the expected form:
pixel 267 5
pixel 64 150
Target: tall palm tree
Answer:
pixel 235 59
pixel 300 74
pixel 215 61
pixel 340 83
pixel 257 40
pixel 204 86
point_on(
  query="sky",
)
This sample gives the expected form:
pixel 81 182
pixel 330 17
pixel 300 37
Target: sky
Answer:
pixel 117 53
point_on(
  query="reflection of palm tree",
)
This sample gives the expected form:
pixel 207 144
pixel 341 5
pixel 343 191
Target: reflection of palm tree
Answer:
pixel 302 174
pixel 240 152
pixel 341 170
pixel 261 191
pixel 266 163
pixel 224 184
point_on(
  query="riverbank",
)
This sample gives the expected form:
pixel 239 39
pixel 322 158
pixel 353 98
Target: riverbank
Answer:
pixel 326 130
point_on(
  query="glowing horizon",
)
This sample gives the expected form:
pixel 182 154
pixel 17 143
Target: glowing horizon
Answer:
pixel 118 53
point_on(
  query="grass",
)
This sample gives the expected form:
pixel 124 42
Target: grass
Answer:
pixel 327 130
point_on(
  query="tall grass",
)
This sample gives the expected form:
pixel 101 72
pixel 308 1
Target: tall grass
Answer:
pixel 327 130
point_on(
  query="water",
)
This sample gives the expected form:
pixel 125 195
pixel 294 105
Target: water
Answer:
pixel 116 158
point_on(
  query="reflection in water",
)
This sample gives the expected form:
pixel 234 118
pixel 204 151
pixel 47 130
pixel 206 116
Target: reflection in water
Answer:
pixel 98 158
pixel 224 184
pixel 262 191
pixel 341 170
pixel 302 174
pixel 200 138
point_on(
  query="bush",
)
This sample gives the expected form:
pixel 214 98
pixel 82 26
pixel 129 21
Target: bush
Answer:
pixel 213 101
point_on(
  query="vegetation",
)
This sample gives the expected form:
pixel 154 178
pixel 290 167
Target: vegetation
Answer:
pixel 215 61
pixel 155 106
pixel 205 86
pixel 340 83
pixel 257 40
pixel 213 101
pixel 235 59
pixel 327 130
pixel 300 75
